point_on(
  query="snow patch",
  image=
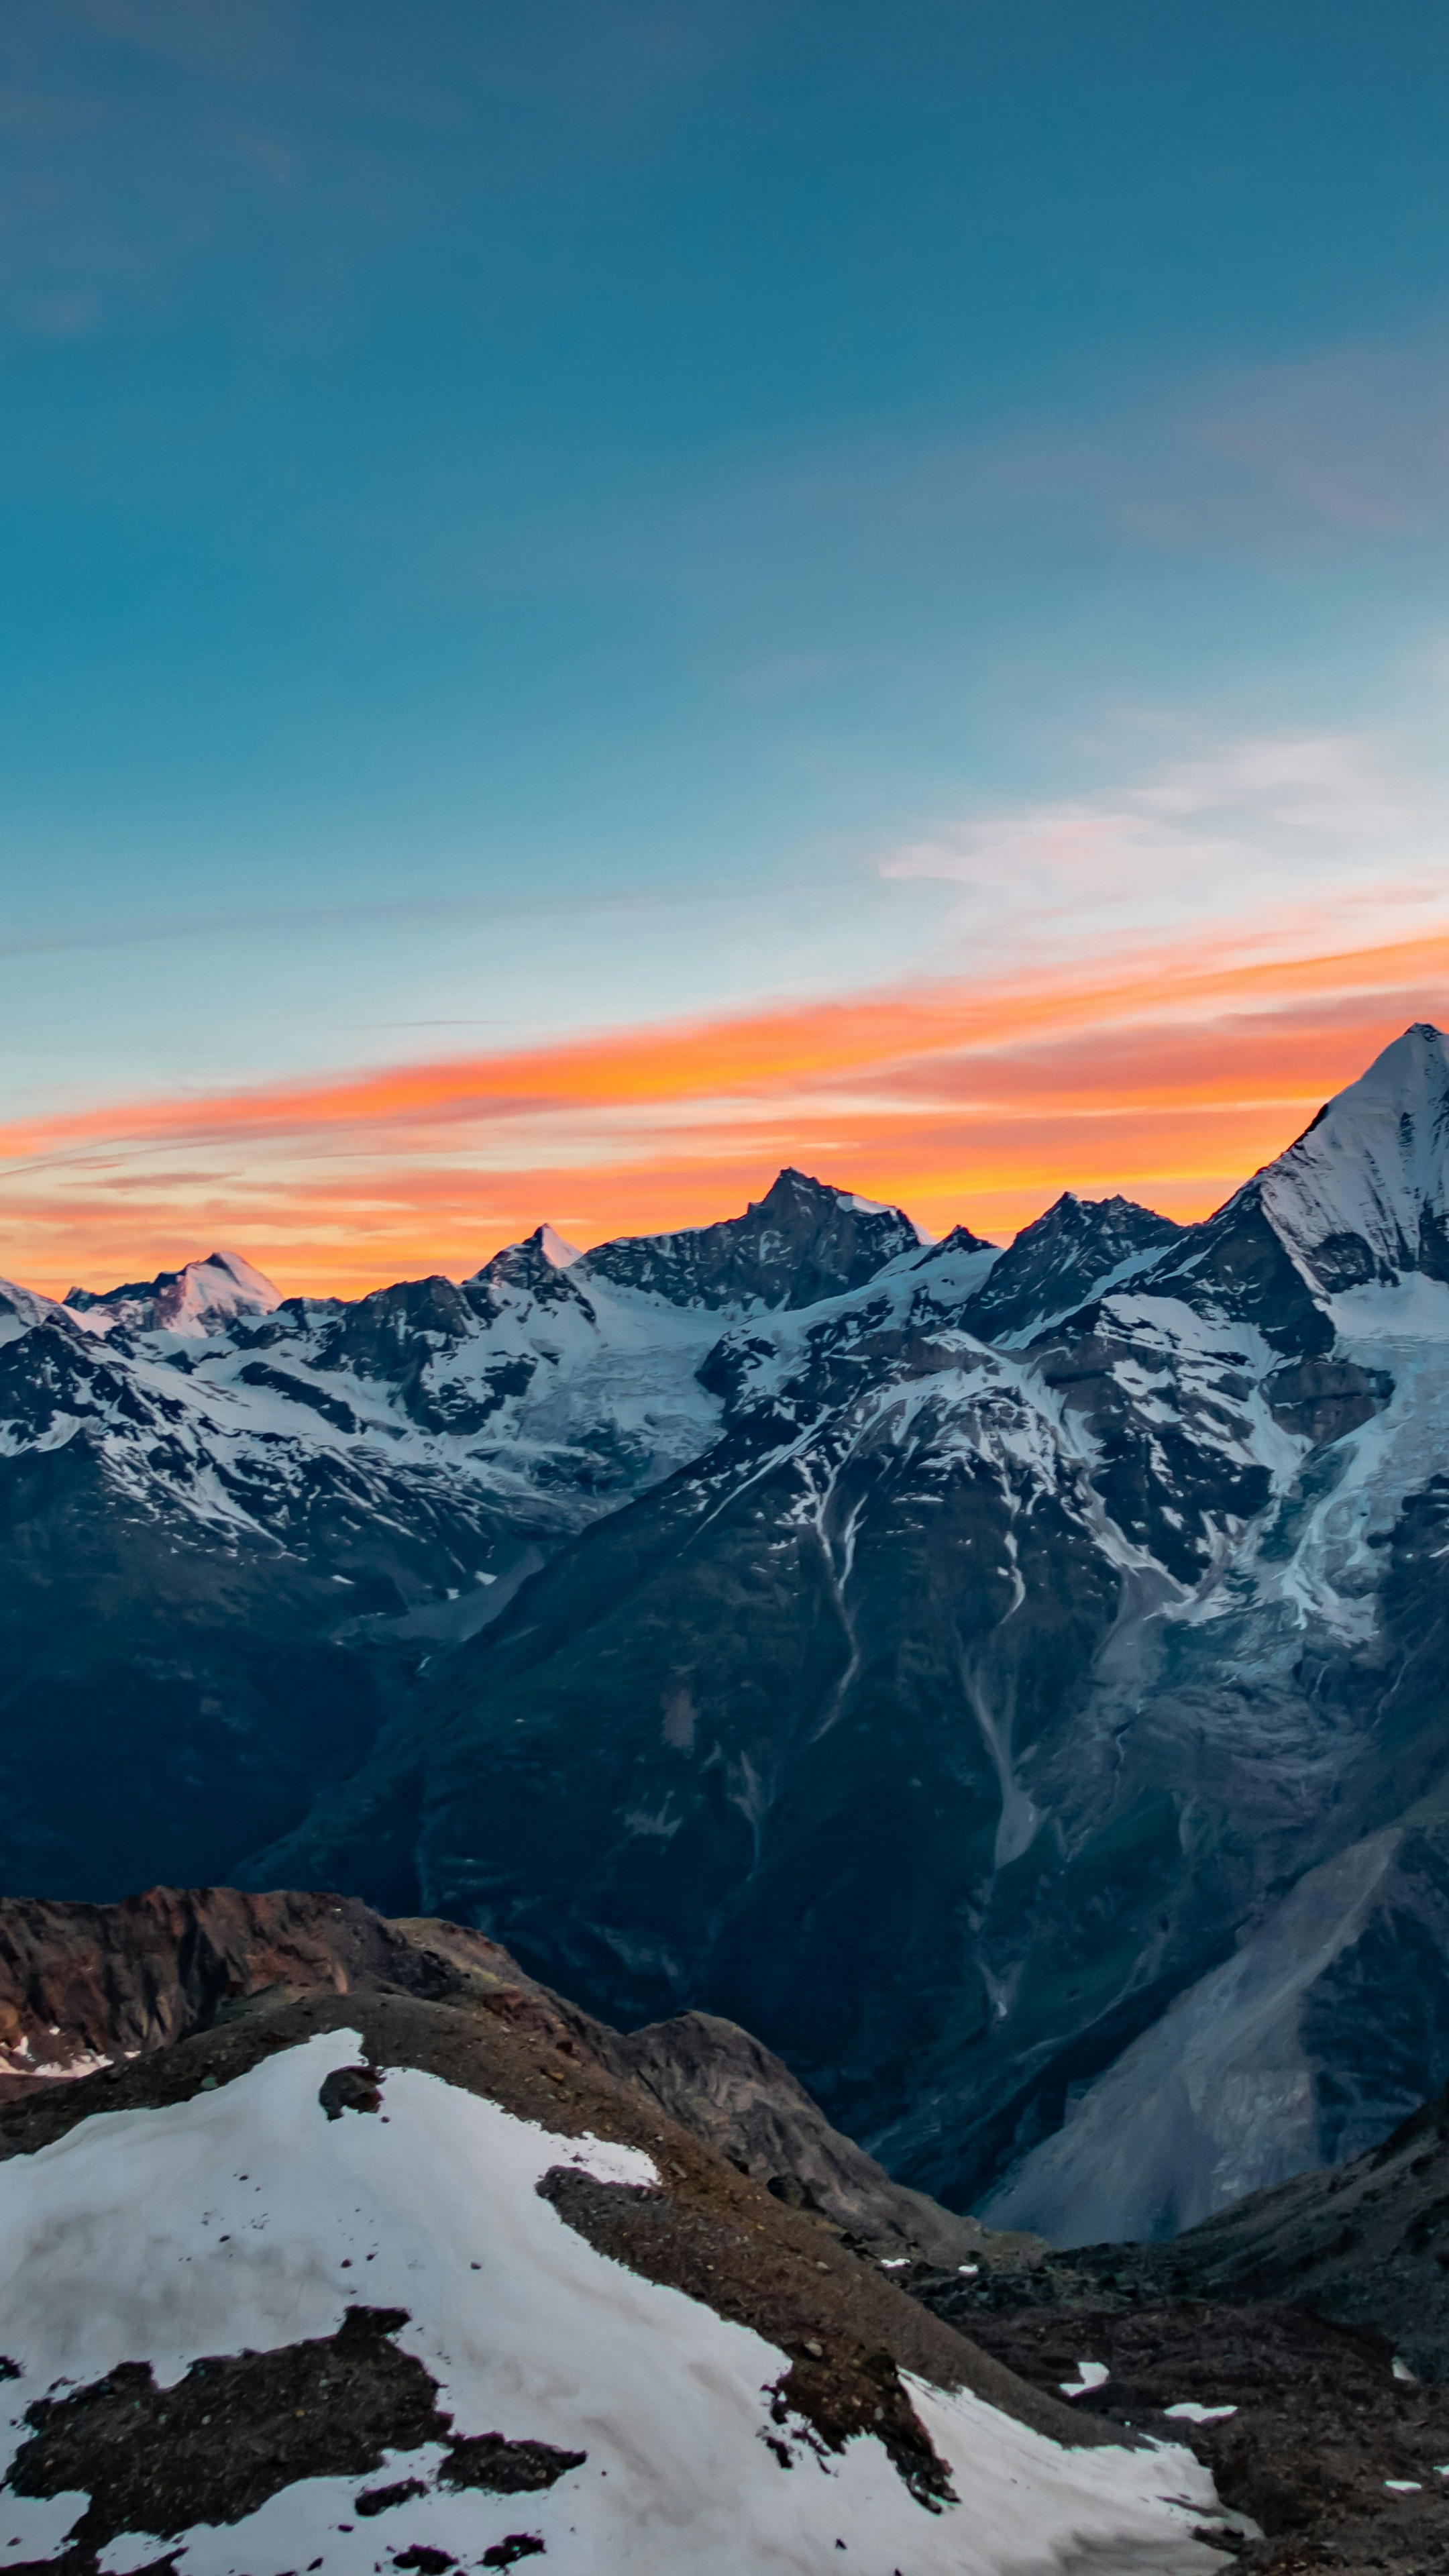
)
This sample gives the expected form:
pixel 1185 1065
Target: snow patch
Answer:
pixel 1090 2375
pixel 225 2221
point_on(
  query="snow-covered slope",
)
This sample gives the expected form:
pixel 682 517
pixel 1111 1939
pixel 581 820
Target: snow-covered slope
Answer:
pixel 1364 1194
pixel 476 2382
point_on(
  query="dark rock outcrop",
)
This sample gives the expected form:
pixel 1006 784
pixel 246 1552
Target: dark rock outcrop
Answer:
pixel 802 1241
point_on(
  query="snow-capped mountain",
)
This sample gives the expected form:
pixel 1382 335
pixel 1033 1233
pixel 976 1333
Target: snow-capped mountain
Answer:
pixel 1363 1197
pixel 1008 1681
pixel 201 1298
pixel 1081 1248
pixel 792 1247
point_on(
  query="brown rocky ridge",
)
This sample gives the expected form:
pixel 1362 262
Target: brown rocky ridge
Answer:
pixel 761 2214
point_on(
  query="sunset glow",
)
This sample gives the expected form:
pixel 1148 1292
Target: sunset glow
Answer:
pixel 1170 1077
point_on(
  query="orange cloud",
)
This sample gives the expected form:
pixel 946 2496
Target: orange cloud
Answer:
pixel 1171 1076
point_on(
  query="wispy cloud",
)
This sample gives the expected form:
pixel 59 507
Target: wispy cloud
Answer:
pixel 1274 841
pixel 1171 1075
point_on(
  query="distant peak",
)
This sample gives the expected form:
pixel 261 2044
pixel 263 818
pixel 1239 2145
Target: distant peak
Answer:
pixel 795 1184
pixel 1110 1215
pixel 536 1264
pixel 201 1297
pixel 791 1183
pixel 960 1240
pixel 804 1240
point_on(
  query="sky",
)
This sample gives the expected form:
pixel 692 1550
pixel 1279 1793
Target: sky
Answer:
pixel 596 599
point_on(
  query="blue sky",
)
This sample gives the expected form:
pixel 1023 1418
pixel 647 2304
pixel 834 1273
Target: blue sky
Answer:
pixel 517 521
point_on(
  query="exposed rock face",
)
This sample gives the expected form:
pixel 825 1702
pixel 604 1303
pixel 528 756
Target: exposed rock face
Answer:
pixel 88 1984
pixel 722 2085
pixel 797 1244
pixel 1079 1249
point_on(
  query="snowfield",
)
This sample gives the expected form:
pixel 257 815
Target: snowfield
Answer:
pixel 246 2218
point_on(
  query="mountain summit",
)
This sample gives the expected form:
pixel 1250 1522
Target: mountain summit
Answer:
pixel 1363 1196
pixel 202 1297
pixel 802 1241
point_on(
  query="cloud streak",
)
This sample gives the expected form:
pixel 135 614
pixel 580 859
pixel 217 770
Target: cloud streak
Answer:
pixel 1171 1073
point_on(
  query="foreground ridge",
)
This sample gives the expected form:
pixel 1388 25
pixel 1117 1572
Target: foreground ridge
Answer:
pixel 457 2286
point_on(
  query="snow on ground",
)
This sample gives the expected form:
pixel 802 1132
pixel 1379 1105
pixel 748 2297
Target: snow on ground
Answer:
pixel 1090 2375
pixel 245 2218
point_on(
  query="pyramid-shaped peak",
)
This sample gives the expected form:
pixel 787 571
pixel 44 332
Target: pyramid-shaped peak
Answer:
pixel 1409 1071
pixel 1116 1219
pixel 1074 1251
pixel 1363 1195
pixel 791 1184
pixel 539 1264
pixel 200 1298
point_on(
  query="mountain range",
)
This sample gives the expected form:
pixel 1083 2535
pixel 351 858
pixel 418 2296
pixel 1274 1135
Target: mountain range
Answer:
pixel 1010 1681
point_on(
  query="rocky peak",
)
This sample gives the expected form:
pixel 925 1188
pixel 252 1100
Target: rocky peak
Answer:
pixel 538 1266
pixel 802 1241
pixel 201 1298
pixel 1363 1195
pixel 959 1240
pixel 1065 1257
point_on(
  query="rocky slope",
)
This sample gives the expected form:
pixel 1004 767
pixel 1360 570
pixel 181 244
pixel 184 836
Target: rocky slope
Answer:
pixel 1011 1683
pixel 1299 2340
pixel 1363 2245
pixel 569 2329
pixel 88 1989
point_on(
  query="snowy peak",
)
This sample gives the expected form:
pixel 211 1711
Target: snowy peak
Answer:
pixel 960 1240
pixel 1363 1195
pixel 201 1298
pixel 537 1265
pixel 802 1241
pixel 1076 1251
